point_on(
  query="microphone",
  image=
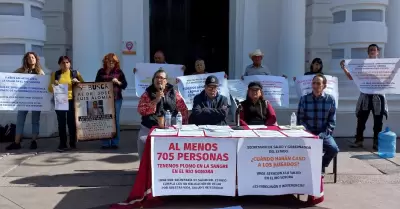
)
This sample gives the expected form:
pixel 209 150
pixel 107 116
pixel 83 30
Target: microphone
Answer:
pixel 162 101
pixel 237 115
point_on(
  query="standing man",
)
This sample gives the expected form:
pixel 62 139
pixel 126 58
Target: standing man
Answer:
pixel 366 103
pixel 209 107
pixel 317 113
pixel 257 68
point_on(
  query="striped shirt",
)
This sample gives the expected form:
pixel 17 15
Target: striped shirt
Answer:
pixel 317 114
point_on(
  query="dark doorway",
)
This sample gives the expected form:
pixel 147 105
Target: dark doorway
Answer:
pixel 190 29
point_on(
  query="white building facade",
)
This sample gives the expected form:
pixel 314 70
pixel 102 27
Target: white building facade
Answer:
pixel 290 33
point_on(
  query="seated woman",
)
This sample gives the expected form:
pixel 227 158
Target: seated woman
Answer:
pixel 159 97
pixel 255 109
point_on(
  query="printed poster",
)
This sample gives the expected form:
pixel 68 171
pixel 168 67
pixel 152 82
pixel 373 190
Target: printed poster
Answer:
pixel 275 88
pixel 61 97
pixel 375 76
pixel 27 92
pixel 190 86
pixel 304 86
pixel 94 111
pixel 193 166
pixel 145 72
pixel 237 89
pixel 278 167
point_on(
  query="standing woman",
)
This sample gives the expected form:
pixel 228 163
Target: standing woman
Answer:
pixel 30 65
pixel 111 72
pixel 315 67
pixel 68 76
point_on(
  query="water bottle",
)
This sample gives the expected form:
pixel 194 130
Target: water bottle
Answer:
pixel 293 120
pixel 387 143
pixel 168 119
pixel 179 120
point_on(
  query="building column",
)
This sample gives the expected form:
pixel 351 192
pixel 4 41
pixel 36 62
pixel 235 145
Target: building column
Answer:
pixel 87 37
pixel 292 40
pixel 392 49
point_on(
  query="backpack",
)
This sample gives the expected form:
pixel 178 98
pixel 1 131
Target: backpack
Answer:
pixel 73 74
pixel 9 133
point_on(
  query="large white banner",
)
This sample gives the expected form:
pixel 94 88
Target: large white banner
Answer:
pixel 145 71
pixel 375 76
pixel 275 88
pixel 24 92
pixel 190 86
pixel 277 166
pixel 193 166
pixel 237 89
pixel 304 86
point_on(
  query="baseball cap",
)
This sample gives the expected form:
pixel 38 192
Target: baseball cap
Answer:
pixel 212 80
pixel 255 84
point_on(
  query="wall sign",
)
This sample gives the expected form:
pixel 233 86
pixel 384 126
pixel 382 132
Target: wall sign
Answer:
pixel 129 47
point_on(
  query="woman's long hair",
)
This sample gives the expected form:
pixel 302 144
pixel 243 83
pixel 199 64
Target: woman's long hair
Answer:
pixel 26 66
pixel 319 61
pixel 248 99
pixel 113 57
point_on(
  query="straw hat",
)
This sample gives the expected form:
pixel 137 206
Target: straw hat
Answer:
pixel 256 53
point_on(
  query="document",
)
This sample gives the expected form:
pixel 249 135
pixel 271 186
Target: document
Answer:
pixel 191 133
pixel 217 133
pixel 216 127
pixel 257 126
pixel 61 97
pixel 243 133
pixel 164 132
pixel 188 127
pixel 269 133
pixel 297 133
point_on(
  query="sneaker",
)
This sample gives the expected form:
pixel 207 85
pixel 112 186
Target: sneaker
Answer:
pixel 62 148
pixel 33 145
pixel 357 144
pixel 72 146
pixel 14 146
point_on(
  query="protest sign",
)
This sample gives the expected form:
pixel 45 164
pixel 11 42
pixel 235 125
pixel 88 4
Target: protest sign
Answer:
pixel 94 111
pixel 145 72
pixel 275 88
pixel 375 76
pixel 304 86
pixel 237 89
pixel 276 167
pixel 26 92
pixel 190 86
pixel 193 166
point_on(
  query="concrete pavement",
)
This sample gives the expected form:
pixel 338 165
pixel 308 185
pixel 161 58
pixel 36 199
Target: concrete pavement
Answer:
pixel 93 178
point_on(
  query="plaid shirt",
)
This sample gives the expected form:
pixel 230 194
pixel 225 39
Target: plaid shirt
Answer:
pixel 317 114
pixel 102 76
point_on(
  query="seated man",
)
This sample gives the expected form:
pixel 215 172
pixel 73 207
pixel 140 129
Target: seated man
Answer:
pixel 255 109
pixel 209 107
pixel 317 113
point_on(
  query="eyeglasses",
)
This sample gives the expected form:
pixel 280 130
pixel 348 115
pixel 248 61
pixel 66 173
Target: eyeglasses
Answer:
pixel 317 83
pixel 160 78
pixel 212 87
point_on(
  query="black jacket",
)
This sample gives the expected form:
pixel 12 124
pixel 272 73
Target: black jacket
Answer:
pixel 206 112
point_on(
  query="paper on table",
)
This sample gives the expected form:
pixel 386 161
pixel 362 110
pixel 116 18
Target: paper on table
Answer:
pixel 164 132
pixel 215 127
pixel 256 126
pixel 269 133
pixel 243 133
pixel 233 207
pixel 188 127
pixel 297 133
pixel 191 133
pixel 217 133
pixel 287 127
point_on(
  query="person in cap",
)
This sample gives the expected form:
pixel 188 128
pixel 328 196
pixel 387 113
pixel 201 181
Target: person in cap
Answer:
pixel 209 107
pixel 255 109
pixel 257 68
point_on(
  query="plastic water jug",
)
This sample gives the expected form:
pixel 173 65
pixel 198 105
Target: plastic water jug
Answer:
pixel 387 143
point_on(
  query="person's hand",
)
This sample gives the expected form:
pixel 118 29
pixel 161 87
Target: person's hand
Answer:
pixel 56 83
pixel 79 85
pixel 294 78
pixel 116 81
pixel 159 95
pixel 183 68
pixel 177 80
pixel 225 76
pixel 284 76
pixel 134 70
pixel 242 78
pixel 75 80
pixel 342 64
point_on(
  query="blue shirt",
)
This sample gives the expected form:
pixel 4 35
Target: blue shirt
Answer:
pixel 317 114
pixel 253 70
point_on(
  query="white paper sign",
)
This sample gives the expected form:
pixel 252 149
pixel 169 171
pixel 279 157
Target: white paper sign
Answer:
pixel 145 72
pixel 193 166
pixel 279 166
pixel 61 97
pixel 275 88
pixel 375 76
pixel 27 92
pixel 304 86
pixel 237 89
pixel 190 86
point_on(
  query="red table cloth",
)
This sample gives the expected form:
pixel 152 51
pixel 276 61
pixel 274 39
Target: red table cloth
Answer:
pixel 141 193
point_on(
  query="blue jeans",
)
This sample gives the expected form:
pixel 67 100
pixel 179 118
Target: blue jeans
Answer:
pixel 115 141
pixel 330 148
pixel 21 117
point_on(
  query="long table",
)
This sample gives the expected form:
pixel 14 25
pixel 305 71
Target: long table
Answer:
pixel 141 195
